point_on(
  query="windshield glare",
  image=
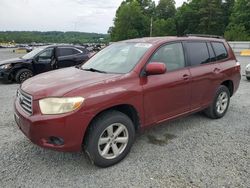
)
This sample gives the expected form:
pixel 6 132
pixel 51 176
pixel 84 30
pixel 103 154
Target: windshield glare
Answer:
pixel 33 53
pixel 118 58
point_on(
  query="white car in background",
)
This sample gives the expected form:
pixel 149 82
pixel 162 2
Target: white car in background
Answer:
pixel 248 71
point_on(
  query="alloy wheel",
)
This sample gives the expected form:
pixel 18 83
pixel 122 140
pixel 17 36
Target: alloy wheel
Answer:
pixel 113 141
pixel 222 103
pixel 24 76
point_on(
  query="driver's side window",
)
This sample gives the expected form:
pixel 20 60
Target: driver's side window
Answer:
pixel 171 55
pixel 46 55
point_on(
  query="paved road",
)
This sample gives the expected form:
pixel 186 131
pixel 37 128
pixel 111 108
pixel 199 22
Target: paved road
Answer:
pixel 190 152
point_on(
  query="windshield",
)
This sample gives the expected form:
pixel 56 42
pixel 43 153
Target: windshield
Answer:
pixel 33 53
pixel 117 58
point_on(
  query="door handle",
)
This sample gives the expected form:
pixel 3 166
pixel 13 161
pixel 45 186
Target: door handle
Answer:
pixel 185 76
pixel 216 70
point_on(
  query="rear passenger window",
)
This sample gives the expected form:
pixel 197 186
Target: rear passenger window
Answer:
pixel 220 50
pixel 211 52
pixel 197 53
pixel 172 55
pixel 65 51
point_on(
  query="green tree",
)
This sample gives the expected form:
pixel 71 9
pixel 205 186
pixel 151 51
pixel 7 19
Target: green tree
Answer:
pixel 130 22
pixel 201 16
pixel 241 14
pixel 227 6
pixel 237 32
pixel 239 26
pixel 187 18
pixel 50 37
pixel 162 27
pixel 165 9
pixel 211 17
pixel 147 6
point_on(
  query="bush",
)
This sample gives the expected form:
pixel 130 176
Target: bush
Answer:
pixel 237 33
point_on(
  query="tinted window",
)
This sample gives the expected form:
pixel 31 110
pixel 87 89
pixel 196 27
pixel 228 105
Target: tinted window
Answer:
pixel 75 51
pixel 197 53
pixel 220 50
pixel 66 51
pixel 46 55
pixel 172 55
pixel 211 52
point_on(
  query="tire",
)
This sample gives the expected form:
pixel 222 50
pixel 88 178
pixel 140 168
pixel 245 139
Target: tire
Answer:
pixel 22 75
pixel 248 78
pixel 220 104
pixel 102 138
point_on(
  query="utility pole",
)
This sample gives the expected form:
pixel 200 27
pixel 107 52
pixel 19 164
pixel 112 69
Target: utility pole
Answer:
pixel 151 27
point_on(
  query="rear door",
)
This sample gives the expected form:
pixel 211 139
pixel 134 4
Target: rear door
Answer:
pixel 67 56
pixel 205 72
pixel 167 95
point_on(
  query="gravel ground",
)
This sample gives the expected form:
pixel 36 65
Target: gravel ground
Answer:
pixel 190 152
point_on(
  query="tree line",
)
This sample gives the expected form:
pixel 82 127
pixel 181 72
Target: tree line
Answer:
pixel 51 37
pixel 142 18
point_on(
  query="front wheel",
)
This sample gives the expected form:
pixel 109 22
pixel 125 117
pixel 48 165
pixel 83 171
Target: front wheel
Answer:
pixel 220 104
pixel 23 75
pixel 109 138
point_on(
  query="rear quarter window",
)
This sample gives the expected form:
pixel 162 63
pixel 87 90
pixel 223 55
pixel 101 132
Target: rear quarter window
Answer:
pixel 220 50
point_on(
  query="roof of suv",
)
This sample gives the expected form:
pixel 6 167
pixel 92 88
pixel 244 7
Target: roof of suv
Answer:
pixel 156 40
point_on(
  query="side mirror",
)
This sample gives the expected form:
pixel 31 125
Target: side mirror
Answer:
pixel 155 68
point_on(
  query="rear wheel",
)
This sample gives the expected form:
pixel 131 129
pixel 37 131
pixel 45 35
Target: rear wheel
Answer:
pixel 109 138
pixel 220 104
pixel 23 75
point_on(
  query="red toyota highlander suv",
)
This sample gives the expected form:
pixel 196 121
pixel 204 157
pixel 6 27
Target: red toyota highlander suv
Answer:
pixel 127 86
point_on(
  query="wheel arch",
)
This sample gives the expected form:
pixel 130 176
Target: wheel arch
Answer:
pixel 127 109
pixel 230 85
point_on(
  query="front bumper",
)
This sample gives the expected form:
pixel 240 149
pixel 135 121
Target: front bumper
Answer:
pixel 4 74
pixel 40 128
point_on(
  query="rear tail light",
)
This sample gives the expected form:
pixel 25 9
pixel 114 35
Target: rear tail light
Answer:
pixel 238 66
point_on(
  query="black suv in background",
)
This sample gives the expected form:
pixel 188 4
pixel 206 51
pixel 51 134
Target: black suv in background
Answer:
pixel 41 60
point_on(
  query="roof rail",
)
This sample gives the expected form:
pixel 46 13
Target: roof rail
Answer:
pixel 207 36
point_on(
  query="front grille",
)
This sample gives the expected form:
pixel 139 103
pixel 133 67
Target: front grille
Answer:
pixel 25 101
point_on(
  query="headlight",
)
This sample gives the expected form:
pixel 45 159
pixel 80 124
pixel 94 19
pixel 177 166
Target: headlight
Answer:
pixel 60 105
pixel 7 66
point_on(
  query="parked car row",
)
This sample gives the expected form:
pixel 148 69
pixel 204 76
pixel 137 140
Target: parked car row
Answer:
pixel 42 59
pixel 128 86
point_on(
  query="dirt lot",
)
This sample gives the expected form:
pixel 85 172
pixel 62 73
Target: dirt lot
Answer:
pixel 192 152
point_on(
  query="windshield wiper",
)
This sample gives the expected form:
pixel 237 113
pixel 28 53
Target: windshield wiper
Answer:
pixel 93 70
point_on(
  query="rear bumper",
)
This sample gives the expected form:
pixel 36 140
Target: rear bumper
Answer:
pixel 40 128
pixel 247 73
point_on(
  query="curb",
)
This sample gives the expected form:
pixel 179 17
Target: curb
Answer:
pixel 245 53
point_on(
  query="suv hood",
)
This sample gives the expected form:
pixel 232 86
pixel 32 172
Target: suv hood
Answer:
pixel 13 60
pixel 60 82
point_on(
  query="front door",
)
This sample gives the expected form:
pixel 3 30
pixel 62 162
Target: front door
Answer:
pixel 42 62
pixel 167 95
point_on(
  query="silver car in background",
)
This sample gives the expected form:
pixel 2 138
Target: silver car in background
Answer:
pixel 248 71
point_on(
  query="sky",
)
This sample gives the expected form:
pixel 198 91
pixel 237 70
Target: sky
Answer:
pixel 59 15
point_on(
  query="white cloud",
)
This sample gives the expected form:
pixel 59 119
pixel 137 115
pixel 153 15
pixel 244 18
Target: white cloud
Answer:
pixel 59 15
